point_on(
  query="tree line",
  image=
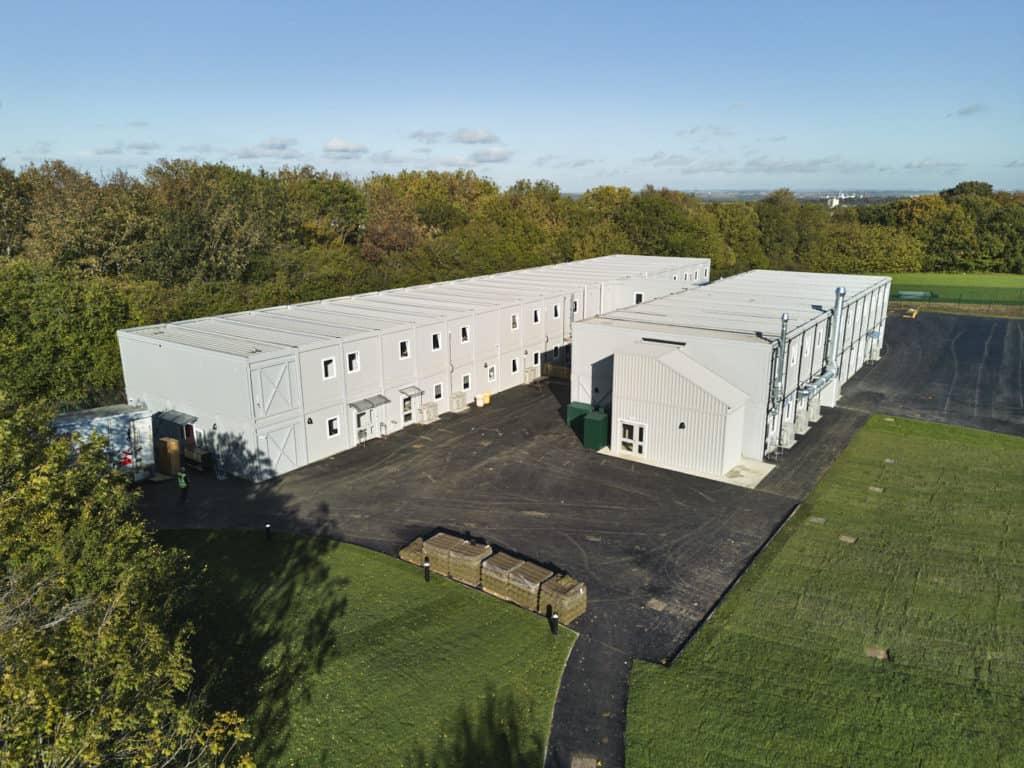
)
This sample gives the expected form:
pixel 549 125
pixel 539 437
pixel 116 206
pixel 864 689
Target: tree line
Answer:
pixel 81 257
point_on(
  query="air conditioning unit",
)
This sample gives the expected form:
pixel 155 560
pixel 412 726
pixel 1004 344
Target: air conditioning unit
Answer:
pixel 802 425
pixel 532 373
pixel 788 437
pixel 459 402
pixel 427 413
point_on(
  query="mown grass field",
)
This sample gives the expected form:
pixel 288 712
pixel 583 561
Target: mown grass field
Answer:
pixel 339 656
pixel 967 288
pixel 779 677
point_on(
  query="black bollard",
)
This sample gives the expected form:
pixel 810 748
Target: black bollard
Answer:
pixel 266 531
pixel 426 569
pixel 554 623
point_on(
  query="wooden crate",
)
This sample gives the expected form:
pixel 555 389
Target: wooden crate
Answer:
pixel 438 548
pixel 465 561
pixel 412 552
pixel 524 584
pixel 494 573
pixel 565 596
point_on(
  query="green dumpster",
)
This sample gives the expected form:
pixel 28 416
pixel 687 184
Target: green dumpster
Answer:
pixel 596 430
pixel 574 414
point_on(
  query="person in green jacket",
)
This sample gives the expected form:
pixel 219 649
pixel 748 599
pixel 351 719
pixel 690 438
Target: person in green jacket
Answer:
pixel 183 485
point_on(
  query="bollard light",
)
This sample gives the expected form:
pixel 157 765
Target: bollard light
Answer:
pixel 266 531
pixel 426 569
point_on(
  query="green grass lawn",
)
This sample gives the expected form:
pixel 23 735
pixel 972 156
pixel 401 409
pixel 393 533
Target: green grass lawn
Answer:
pixel 339 656
pixel 971 287
pixel 778 676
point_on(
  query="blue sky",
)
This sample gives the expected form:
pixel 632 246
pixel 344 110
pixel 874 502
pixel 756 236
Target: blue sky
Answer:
pixel 896 95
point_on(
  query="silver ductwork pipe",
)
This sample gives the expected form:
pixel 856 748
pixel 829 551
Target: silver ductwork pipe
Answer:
pixel 836 332
pixel 779 380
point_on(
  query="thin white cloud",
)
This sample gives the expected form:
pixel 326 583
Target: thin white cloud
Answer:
pixel 426 137
pixel 198 149
pixel 474 136
pixel 390 158
pixel 113 149
pixel 764 164
pixel 705 130
pixel 1014 164
pixel 491 156
pixel 274 148
pixel 663 159
pixel 934 165
pixel 753 164
pixel 423 150
pixel 557 161
pixel 142 147
pixel 774 139
pixel 344 150
pixel 967 110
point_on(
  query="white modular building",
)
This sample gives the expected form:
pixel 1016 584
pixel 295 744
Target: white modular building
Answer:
pixel 274 389
pixel 700 380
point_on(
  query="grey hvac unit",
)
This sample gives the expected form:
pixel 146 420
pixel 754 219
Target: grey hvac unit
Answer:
pixel 814 409
pixel 532 373
pixel 427 413
pixel 459 402
pixel 802 425
pixel 788 437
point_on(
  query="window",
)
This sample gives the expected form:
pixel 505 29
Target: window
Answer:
pixel 407 409
pixel 492 373
pixel 638 298
pixel 333 427
pixel 575 306
pixel 536 316
pixel 632 438
pixel 536 358
pixel 403 349
pixel 675 277
pixel 515 321
pixel 555 311
pixel 353 362
pixel 438 391
pixel 362 419
pixel 465 381
pixel 705 271
pixel 329 369
pixel 557 352
pixel 435 341
pixel 515 365
pixel 464 334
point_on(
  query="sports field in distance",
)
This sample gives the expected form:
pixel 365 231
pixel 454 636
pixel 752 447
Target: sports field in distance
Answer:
pixel 778 676
pixel 967 288
pixel 339 656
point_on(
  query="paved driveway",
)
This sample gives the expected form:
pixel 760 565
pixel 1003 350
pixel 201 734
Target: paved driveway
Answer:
pixel 516 476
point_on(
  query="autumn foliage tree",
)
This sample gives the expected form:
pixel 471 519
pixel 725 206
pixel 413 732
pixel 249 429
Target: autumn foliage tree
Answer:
pixel 93 671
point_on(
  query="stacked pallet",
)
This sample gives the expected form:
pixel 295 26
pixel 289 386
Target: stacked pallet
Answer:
pixel 465 561
pixel 565 596
pixel 495 571
pixel 412 552
pixel 524 584
pixel 439 549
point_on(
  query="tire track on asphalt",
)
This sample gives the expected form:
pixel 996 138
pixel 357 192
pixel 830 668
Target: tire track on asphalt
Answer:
pixel 956 372
pixel 981 368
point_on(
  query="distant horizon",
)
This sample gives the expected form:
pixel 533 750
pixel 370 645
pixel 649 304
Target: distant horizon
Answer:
pixel 807 96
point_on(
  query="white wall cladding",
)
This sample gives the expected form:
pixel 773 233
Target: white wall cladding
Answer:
pixel 688 424
pixel 259 376
pixel 732 328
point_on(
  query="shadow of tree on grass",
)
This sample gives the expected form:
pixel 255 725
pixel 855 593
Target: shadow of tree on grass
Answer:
pixel 266 611
pixel 496 737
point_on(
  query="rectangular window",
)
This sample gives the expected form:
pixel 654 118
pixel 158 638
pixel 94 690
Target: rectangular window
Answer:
pixel 632 438
pixel 403 349
pixel 329 369
pixel 555 311
pixel 465 334
pixel 407 409
pixel 492 373
pixel 465 381
pixel 575 306
pixel 536 358
pixel 638 298
pixel 438 391
pixel 675 277
pixel 536 316
pixel 333 428
pixel 515 321
pixel 515 365
pixel 435 341
pixel 557 352
pixel 353 362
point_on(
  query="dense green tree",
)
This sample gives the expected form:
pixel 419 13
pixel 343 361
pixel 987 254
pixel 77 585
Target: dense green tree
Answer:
pixel 740 229
pixel 14 210
pixel 778 216
pixel 93 671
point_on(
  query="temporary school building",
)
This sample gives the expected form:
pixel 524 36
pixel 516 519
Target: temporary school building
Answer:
pixel 699 380
pixel 274 389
